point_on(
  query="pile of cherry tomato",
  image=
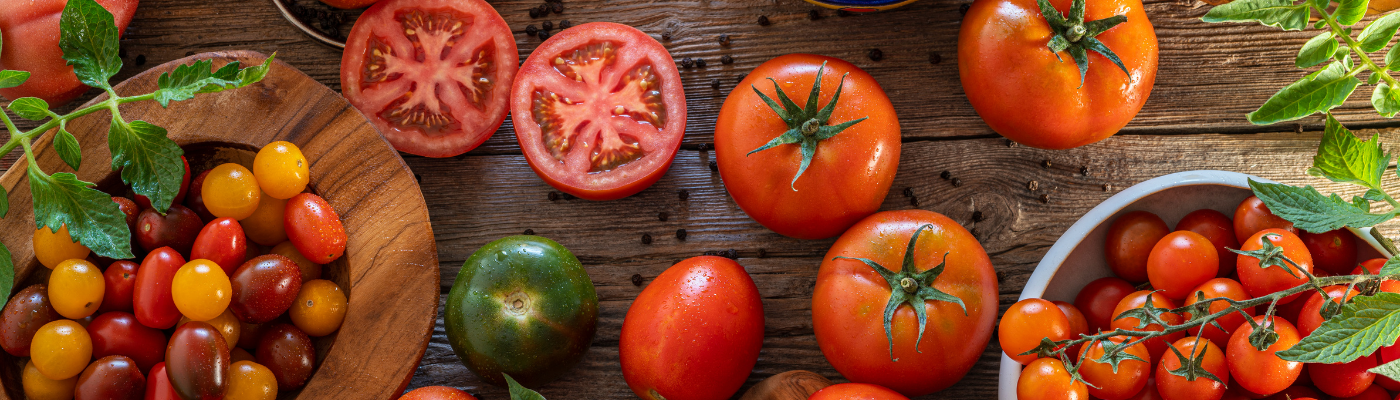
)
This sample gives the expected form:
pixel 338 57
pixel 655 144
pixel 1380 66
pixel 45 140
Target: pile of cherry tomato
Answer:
pixel 233 322
pixel 1177 267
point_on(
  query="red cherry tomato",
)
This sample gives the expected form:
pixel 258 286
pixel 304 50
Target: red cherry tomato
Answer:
pixel 856 391
pixel 1217 227
pixel 1344 379
pixel 1155 346
pixel 1373 392
pixel 1149 391
pixel 1311 315
pixel 1180 262
pixel 1334 252
pixel 1217 288
pixel 1026 323
pixel 1077 323
pixel 198 361
pixel 223 242
pixel 1098 299
pixel 31 35
pixel 152 300
pixel 1253 216
pixel 437 393
pixel 179 196
pixel 288 353
pixel 118 333
pixel 314 228
pixel 176 229
pixel 1263 372
pixel 1046 378
pixel 111 378
pixel 264 288
pixel 1259 281
pixel 129 209
pixel 120 278
pixel 1129 242
pixel 158 385
pixel 1109 383
pixel 1173 387
pixel 195 199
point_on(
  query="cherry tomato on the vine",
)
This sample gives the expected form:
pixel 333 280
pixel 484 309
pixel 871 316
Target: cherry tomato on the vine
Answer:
pixel 1122 382
pixel 1026 323
pixel 1263 372
pixel 1344 379
pixel 1138 300
pixel 1173 387
pixel 1334 251
pixel 1310 317
pixel 1218 288
pixel 1263 277
pixel 1046 378
pixel 856 391
pixel 1217 227
pixel 1077 323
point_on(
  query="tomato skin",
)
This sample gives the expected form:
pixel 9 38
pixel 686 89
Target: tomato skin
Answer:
pixel 1252 216
pixel 850 297
pixel 1373 392
pixel 1263 372
pixel 1129 379
pixel 309 269
pixel 251 381
pixel 76 288
pixel 201 290
pixel 227 325
pixel 1344 379
pixel 39 387
pixel 195 200
pixel 1026 323
pixel 266 225
pixel 1172 387
pixel 28 311
pixel 264 288
pixel 177 229
pixel 1261 282
pixel 693 333
pixel 231 190
pixel 1310 317
pixel 111 378
pixel 1217 227
pixel 31 35
pixel 151 298
pixel 1334 252
pixel 158 384
pixel 319 308
pixel 120 279
pixel 1216 288
pixel 1098 299
pixel 1130 241
pixel 223 242
pixel 129 209
pixel 1078 325
pixel 856 391
pixel 850 176
pixel 1180 262
pixel 54 247
pixel 1046 379
pixel 61 349
pixel 1155 346
pixel 288 353
pixel 282 171
pixel 437 393
pixel 120 334
pixel 315 228
pixel 197 361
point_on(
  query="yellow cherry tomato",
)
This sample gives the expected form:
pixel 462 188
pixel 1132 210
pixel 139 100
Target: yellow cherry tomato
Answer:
pixel 230 190
pixel 310 270
pixel 320 308
pixel 281 170
pixel 250 381
pixel 61 349
pixel 52 247
pixel 75 288
pixel 40 387
pixel 201 290
pixel 266 225
pixel 225 323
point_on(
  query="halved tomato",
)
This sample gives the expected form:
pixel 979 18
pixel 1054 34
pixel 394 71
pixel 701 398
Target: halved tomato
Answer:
pixel 599 110
pixel 433 75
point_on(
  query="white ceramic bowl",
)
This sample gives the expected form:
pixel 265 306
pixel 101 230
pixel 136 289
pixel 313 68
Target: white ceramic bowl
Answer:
pixel 1077 257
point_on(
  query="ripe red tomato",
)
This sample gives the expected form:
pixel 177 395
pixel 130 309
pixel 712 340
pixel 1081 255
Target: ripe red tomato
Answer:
pixel 1263 372
pixel 1310 317
pixel 197 361
pixel 264 288
pixel 1155 346
pixel 118 333
pixel 856 391
pixel 849 175
pixel 176 229
pixel 1180 262
pixel 1047 379
pixel 152 300
pixel 179 196
pixel 1295 392
pixel 1098 299
pixel 1217 288
pixel 1334 252
pixel 1078 325
pixel 288 353
pixel 1041 98
pixel 1127 380
pixel 1253 216
pixel 437 393
pixel 1259 281
pixel 433 76
pixel 223 242
pixel 1149 391
pixel 28 311
pixel 30 31
pixel 1026 323
pixel 1344 379
pixel 850 294
pixel 315 228
pixel 599 110
pixel 1172 387
pixel 1217 227
pixel 111 378
pixel 158 385
pixel 129 209
pixel 1129 242
pixel 120 279
pixel 1373 392
pixel 693 333
pixel 195 199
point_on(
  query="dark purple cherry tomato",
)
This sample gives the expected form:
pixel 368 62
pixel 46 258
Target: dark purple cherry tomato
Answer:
pixel 158 385
pixel 128 208
pixel 111 378
pixel 121 280
pixel 152 301
pixel 264 288
pixel 179 196
pixel 195 200
pixel 1334 252
pixel 314 228
pixel 198 361
pixel 176 229
pixel 118 333
pixel 223 242
pixel 25 314
pixel 288 352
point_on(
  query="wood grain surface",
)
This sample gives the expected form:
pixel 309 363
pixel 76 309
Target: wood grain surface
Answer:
pixel 1016 200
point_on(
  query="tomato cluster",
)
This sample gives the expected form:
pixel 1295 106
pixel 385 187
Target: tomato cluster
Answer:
pixel 1193 263
pixel 232 322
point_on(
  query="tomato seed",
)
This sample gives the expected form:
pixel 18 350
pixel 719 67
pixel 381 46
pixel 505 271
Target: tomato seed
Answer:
pixel 724 40
pixel 546 25
pixel 977 216
pixel 726 59
pixel 876 55
pixel 646 238
pixel 814 15
pixel 680 234
pixel 636 279
pixel 530 232
pixel 763 20
pixel 934 58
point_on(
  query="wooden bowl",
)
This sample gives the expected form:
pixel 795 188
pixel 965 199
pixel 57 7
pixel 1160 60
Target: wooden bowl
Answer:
pixel 390 268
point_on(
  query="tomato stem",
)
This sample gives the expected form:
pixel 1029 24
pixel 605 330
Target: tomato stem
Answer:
pixel 807 125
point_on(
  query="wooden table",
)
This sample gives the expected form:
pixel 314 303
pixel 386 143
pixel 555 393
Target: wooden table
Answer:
pixel 1016 200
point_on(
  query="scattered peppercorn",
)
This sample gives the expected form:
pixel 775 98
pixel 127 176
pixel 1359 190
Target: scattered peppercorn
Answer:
pixel 724 40
pixel 565 25
pixel 762 253
pixel 1033 185
pixel 646 238
pixel 666 36
pixel 1045 198
pixel 726 59
pixel 1107 187
pixel 1084 170
pixel 963 8
pixel 763 20
pixel 1010 143
pixel 703 147
pixel 714 167
pixel 700 62
pixel 553 196
pixel 547 25
pixel 534 13
pixel 636 279
pixel 813 15
pixel 908 192
pixel 530 232
pixel 714 83
pixel 543 9
pixel 680 234
pixel 730 254
pixel 531 30
pixel 140 59
pixel 687 62
pixel 934 58
pixel 1001 277
pixel 946 175
pixel 557 7
pixel 663 216
pixel 957 182
pixel 914 201
pixel 544 35
pixel 683 194
pixel 567 196
pixel 1045 164
pixel 876 55
pixel 977 216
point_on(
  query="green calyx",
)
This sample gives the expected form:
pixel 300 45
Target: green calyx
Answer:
pixel 914 288
pixel 1075 36
pixel 807 125
pixel 1270 255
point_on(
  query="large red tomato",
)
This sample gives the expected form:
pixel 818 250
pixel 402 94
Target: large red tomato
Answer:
pixel 867 344
pixel 599 110
pixel 1041 98
pixel 856 391
pixel 433 75
pixel 30 33
pixel 845 177
pixel 693 333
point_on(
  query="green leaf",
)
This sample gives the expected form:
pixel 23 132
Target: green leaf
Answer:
pixel 1318 49
pixel 1386 100
pixel 4 204
pixel 1284 14
pixel 88 37
pixel 93 219
pixel 1311 211
pixel 187 80
pixel 518 392
pixel 1322 90
pixel 7 274
pixel 1349 12
pixel 1378 33
pixel 1372 79
pixel 1365 324
pixel 30 108
pixel 149 161
pixel 67 147
pixel 1392 57
pixel 1389 370
pixel 1343 158
pixel 1391 267
pixel 11 78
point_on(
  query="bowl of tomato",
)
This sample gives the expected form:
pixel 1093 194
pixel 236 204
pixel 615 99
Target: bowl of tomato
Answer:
pixel 355 235
pixel 1199 201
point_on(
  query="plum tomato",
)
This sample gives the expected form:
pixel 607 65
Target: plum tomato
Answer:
pixel 28 311
pixel 1046 379
pixel 129 209
pixel 309 269
pixel 910 359
pixel 693 333
pixel 281 170
pixel 195 200
pixel 52 247
pixel 151 299
pixel 1218 288
pixel 314 228
pixel 119 333
pixel 1263 372
pixel 1115 383
pixel 856 391
pixel 221 241
pixel 264 288
pixel 599 110
pixel 1180 262
pixel 251 381
pixel 1310 317
pixel 267 224
pixel 158 385
pixel 120 281
pixel 227 325
pixel 1333 252
pixel 31 37
pixel 437 393
pixel 1138 300
pixel 201 290
pixel 1026 323
pixel 1098 299
pixel 1173 387
pixel 40 387
pixel 61 349
pixel 319 308
pixel 1253 216
pixel 434 76
pixel 230 190
pixel 521 305
pixel 1077 324
pixel 145 203
pixel 1344 379
pixel 177 229
pixel 1217 227
pixel 76 288
pixel 111 378
pixel 197 361
pixel 1130 241
pixel 1274 273
pixel 288 353
pixel 856 166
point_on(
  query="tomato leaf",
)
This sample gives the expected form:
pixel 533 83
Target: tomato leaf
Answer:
pixel 149 161
pixel 1284 14
pixel 88 37
pixel 1311 211
pixel 518 392
pixel 7 274
pixel 1322 90
pixel 187 80
pixel 93 219
pixel 30 108
pixel 1342 157
pixel 1378 33
pixel 1389 370
pixel 1391 266
pixel 1349 12
pixel 67 147
pixel 1392 58
pixel 1364 325
pixel 1385 99
pixel 1318 49
pixel 11 78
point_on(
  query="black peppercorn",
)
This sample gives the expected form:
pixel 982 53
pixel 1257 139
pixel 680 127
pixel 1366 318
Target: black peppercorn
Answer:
pixel 567 196
pixel 702 147
pixel 843 13
pixel 714 167
pixel 762 253
pixel 876 55
pixel 714 83
pixel 1045 164
pixel 663 216
pixel 543 9
pixel 666 36
pixel 553 196
pixel 957 182
pixel 557 7
pixel 724 40
pixel 544 35
pixel 684 194
pixel 530 232
pixel 914 201
pixel 646 238
pixel 687 62
pixel 700 62
pixel 564 24
pixel 946 175
pixel 977 216
pixel 140 59
pixel 531 30
pixel 934 58
pixel 908 192
pixel 763 20
pixel 534 13
pixel 636 279
pixel 814 15
pixel 680 234
pixel 730 254
pixel 549 26
pixel 726 59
